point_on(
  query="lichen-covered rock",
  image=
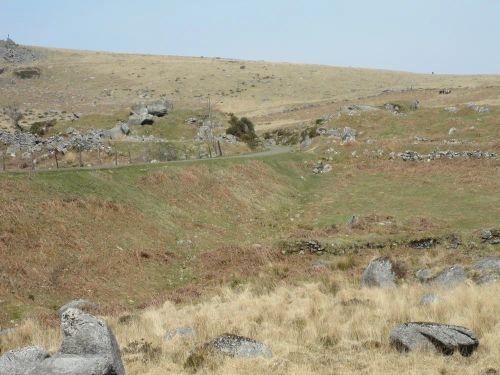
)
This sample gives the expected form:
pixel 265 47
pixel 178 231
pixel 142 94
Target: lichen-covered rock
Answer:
pixel 379 273
pixel 21 361
pixel 428 299
pixel 65 364
pixel 227 345
pixel 76 304
pixel 488 263
pixel 450 277
pixel 443 337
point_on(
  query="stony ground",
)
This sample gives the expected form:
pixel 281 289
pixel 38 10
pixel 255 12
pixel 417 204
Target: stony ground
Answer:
pixel 273 246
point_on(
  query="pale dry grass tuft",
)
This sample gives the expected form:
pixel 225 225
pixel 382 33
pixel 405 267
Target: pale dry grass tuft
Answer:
pixel 310 330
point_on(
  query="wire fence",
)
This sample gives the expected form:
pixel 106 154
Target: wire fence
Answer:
pixel 113 154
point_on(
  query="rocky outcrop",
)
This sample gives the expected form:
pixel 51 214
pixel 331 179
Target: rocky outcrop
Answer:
pixel 145 113
pixel 73 140
pixel 88 347
pixel 443 337
pixel 379 273
pixel 13 53
pixel 21 361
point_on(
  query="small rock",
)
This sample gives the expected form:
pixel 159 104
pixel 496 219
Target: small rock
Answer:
pixel 180 331
pixel 415 105
pixel 451 109
pixel 452 131
pixel 445 338
pixel 187 243
pixel 379 273
pixel 424 275
pixel 429 299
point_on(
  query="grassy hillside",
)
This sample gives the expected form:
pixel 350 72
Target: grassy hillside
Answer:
pixel 111 235
pixel 95 82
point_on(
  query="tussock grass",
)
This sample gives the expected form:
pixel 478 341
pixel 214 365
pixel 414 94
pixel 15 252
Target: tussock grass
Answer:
pixel 310 330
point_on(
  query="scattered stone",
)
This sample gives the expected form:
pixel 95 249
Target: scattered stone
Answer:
pixel 76 304
pixel 227 345
pixel 429 299
pixel 450 277
pixel 239 346
pixel 491 236
pixel 306 142
pixel 320 265
pixel 124 128
pixel 415 105
pixel 159 108
pixel 489 278
pixel 181 332
pixel 391 107
pixel 424 243
pixel 187 243
pixel 423 275
pixel 454 241
pixel 443 337
pixel 451 109
pixel 352 222
pixel 74 140
pixel 302 247
pixel 27 72
pixel 379 273
pixel 21 361
pixel 349 134
pixel 7 331
pixel 322 168
pixel 478 108
pixel 192 121
pixel 488 263
pixel 437 154
pixel 445 91
pixel 452 131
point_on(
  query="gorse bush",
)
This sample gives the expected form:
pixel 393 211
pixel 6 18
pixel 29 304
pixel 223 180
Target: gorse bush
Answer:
pixel 243 129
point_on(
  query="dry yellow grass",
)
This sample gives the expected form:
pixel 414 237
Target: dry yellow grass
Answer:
pixel 311 328
pixel 97 82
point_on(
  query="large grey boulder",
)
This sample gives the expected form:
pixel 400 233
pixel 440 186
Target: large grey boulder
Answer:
pixel 450 277
pixel 443 337
pixel 89 348
pixel 86 335
pixel 64 364
pixel 76 304
pixel 379 273
pixel 21 361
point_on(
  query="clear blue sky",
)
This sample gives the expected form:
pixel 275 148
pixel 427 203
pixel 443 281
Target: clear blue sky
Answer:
pixel 445 36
